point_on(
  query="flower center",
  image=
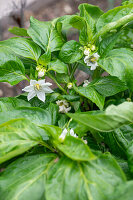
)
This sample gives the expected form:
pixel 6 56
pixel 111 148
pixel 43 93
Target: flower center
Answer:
pixel 93 59
pixel 37 86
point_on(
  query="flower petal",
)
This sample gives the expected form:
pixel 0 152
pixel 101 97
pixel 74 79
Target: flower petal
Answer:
pixel 41 96
pixel 33 82
pixel 46 89
pixel 28 89
pixel 31 95
pixel 41 82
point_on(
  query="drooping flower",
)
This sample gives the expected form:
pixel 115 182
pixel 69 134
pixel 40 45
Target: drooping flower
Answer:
pixel 63 135
pixel 92 60
pixel 38 88
pixel 65 132
pixel 72 133
pixel 63 106
pixel 86 83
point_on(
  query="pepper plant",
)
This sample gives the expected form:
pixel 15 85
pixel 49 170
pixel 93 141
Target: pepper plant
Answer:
pixel 74 141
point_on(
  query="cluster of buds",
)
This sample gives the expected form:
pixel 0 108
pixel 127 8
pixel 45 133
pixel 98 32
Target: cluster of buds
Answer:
pixel 63 106
pixel 69 132
pixel 90 56
pixel 41 71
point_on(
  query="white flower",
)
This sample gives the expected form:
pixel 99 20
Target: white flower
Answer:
pixel 72 133
pixel 38 88
pixel 63 106
pixel 87 51
pixel 63 135
pixel 86 82
pixel 92 60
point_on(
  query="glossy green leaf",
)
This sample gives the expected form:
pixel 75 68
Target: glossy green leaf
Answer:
pixel 118 140
pixel 71 52
pixel 18 31
pixel 25 178
pixel 23 47
pixel 94 11
pixel 113 117
pixel 123 192
pixel 130 156
pixel 119 62
pixel 114 18
pixel 95 180
pixel 58 66
pixel 45 58
pixel 10 103
pixel 11 68
pixel 108 42
pixel 45 35
pixel 89 20
pixel 17 137
pixel 76 149
pixel 36 115
pixel 109 85
pixel 92 94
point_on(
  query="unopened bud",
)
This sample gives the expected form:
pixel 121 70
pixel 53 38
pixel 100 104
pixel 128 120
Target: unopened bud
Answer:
pixel 93 48
pixel 41 73
pixel 69 85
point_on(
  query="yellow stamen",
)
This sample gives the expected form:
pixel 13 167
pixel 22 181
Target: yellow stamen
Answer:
pixel 37 86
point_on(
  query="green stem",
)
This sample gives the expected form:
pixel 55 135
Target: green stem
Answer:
pixel 61 88
pixel 73 71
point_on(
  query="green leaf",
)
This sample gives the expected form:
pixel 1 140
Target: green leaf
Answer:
pixel 109 85
pixel 92 94
pixel 123 192
pixel 94 11
pixel 118 140
pixel 130 156
pixel 25 178
pixel 89 20
pixel 76 149
pixel 113 19
pixel 81 24
pixel 23 47
pixel 105 121
pixel 95 180
pixel 10 103
pixel 119 62
pixel 45 58
pixel 36 115
pixel 71 52
pixel 108 42
pixel 45 35
pixel 11 68
pixel 58 66
pixel 17 137
pixel 18 31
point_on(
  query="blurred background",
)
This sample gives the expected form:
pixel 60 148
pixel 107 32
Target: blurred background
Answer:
pixel 18 12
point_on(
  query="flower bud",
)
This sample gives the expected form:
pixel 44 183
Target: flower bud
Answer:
pixel 69 85
pixel 93 48
pixel 41 73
